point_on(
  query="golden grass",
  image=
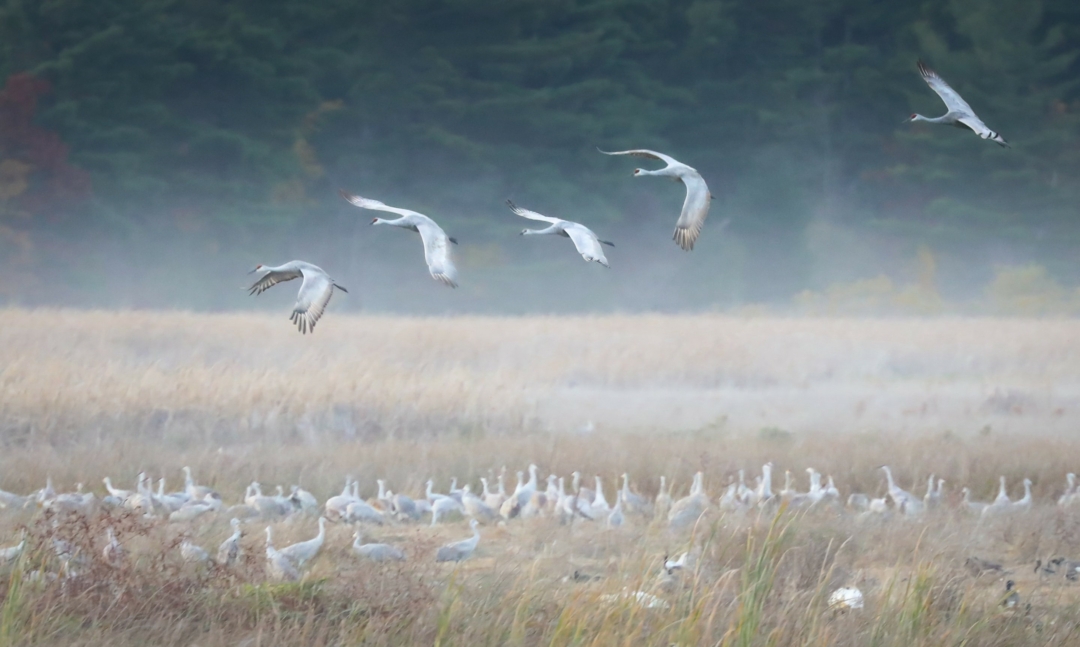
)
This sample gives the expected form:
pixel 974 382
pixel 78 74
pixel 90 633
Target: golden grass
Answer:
pixel 243 397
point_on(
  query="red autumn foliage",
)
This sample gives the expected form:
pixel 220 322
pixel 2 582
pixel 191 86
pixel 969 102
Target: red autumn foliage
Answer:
pixel 55 186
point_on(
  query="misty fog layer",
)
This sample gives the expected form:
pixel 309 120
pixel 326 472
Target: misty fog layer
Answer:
pixel 150 154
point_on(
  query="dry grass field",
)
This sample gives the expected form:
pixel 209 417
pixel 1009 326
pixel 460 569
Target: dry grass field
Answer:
pixel 243 397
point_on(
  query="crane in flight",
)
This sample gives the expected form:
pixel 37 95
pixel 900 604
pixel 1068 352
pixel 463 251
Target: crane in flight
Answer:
pixel 436 242
pixel 959 114
pixel 315 290
pixel 585 241
pixel 695 207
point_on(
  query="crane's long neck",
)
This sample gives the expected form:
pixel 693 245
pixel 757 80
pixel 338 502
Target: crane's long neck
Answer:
pixel 553 229
pixel 943 119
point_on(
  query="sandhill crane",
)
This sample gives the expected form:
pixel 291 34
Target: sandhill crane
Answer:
pixel 585 241
pixel 143 499
pixel 404 506
pixel 194 509
pixel 305 551
pixel 360 510
pixel 114 553
pixel 192 553
pixel 536 505
pixel 904 501
pixel 376 552
pixel 973 506
pixel 336 506
pixel 764 492
pixel 46 493
pixel 267 506
pixel 1069 496
pixel 475 507
pixel 634 502
pixel 194 490
pixel 315 290
pixel 662 503
pixel 616 518
pixel 441 504
pixel 959 112
pixel 278 567
pixel 303 500
pixel 581 491
pixel 460 550
pixel 526 491
pixel 171 502
pixel 858 501
pixel 494 500
pixel 552 489
pixel 229 550
pixel 1001 501
pixel 1025 502
pixel 831 491
pixel 11 553
pixel 454 491
pixel 118 493
pixel 787 492
pixel 77 501
pixel 878 506
pixel 600 505
pixel 686 510
pixel 729 500
pixel 742 491
pixel 436 242
pixel 932 498
pixel 696 205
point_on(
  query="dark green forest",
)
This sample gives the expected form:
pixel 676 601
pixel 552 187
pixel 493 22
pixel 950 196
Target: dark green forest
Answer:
pixel 151 151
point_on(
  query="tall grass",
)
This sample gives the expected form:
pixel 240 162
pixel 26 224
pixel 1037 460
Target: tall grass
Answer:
pixel 243 397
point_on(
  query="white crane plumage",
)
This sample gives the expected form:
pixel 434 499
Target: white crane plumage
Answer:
pixel 278 567
pixel 305 551
pixel 229 550
pixel 695 207
pixel 436 242
pixel 376 552
pixel 193 553
pixel 959 112
pixel 585 241
pixel 315 290
pixel 460 550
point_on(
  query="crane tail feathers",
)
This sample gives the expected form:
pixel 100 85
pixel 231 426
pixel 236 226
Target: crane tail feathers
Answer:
pixel 685 238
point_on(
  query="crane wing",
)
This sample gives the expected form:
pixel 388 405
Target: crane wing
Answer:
pixel 586 243
pixel 953 101
pixel 368 203
pixel 315 293
pixel 648 154
pixel 270 279
pixel 437 252
pixel 531 215
pixel 695 209
pixel 973 122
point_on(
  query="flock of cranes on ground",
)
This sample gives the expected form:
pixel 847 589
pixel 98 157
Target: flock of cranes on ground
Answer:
pixel 317 286
pixel 492 505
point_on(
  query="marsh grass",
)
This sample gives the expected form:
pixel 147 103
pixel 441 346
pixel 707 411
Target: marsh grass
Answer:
pixel 242 397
